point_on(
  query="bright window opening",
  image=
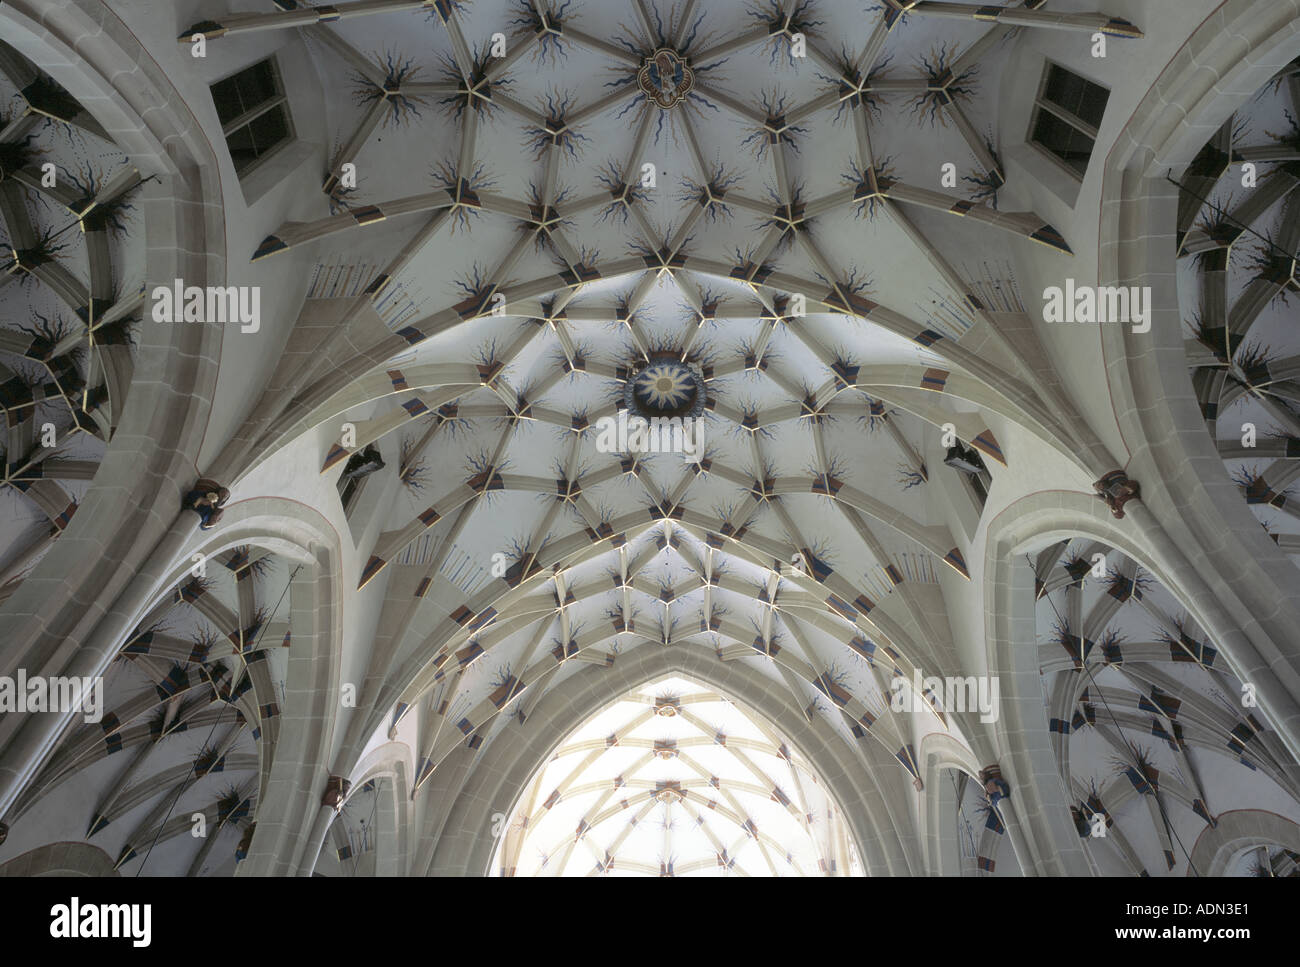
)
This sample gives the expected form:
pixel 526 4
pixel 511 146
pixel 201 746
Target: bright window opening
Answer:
pixel 674 779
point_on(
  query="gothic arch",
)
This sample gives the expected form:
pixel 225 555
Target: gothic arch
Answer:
pixel 878 816
pixel 1022 731
pixel 1049 841
pixel 940 752
pixel 1186 489
pixel 98 564
pixel 61 859
pixel 1239 830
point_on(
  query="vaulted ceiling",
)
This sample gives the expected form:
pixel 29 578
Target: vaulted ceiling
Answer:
pixel 789 222
pixel 759 225
pixel 72 293
pixel 1239 232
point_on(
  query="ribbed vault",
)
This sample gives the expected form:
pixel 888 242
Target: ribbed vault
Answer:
pixel 1153 733
pixel 1239 238
pixel 189 724
pixel 735 255
pixel 449 625
pixel 74 270
pixel 675 780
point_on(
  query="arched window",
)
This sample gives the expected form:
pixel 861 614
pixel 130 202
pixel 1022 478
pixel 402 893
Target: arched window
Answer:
pixel 674 779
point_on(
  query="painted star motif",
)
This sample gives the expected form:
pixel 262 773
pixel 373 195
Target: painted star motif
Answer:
pixel 665 387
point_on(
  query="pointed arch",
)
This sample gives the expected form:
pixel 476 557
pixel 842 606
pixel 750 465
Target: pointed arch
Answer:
pixel 858 780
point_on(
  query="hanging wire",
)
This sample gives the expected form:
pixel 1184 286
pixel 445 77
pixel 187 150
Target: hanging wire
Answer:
pixel 1268 242
pixel 959 780
pixel 8 266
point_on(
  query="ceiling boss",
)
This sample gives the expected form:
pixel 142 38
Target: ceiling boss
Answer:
pixel 666 388
pixel 666 78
